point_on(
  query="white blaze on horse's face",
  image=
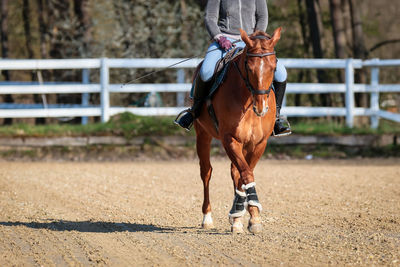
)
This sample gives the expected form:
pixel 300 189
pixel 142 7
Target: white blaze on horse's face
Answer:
pixel 260 63
pixel 262 78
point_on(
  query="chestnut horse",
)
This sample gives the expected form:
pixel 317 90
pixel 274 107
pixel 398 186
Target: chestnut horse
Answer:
pixel 244 106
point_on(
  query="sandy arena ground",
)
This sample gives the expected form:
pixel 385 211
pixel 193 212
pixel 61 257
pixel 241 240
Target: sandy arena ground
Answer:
pixel 149 213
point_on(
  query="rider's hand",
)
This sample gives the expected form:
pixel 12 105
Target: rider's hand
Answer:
pixel 224 43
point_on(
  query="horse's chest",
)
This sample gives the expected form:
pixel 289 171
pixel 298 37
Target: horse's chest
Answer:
pixel 250 133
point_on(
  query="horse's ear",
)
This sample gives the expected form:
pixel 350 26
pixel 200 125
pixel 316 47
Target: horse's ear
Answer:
pixel 276 36
pixel 245 38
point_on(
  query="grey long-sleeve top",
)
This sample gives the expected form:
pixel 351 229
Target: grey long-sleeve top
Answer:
pixel 225 17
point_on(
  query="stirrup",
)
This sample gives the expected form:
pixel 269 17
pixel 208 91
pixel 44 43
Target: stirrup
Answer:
pixel 284 133
pixel 180 115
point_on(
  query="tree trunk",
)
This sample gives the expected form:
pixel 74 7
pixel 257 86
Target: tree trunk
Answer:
pixel 359 47
pixel 84 32
pixel 28 44
pixel 304 75
pixel 339 34
pixel 315 31
pixel 346 21
pixel 4 51
pixel 42 29
pixel 27 28
pixel 43 52
pixel 202 3
pixel 185 30
pixel 85 26
pixel 315 25
pixel 359 50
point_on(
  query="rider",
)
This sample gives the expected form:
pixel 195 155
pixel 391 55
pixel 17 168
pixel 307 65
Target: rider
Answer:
pixel 223 19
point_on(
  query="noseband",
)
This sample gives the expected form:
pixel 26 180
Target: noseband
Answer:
pixel 246 79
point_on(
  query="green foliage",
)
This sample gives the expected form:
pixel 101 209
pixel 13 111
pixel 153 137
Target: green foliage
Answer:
pixel 129 125
pixel 314 127
pixel 125 124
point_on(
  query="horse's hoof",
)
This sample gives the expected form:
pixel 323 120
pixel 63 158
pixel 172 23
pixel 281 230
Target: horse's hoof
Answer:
pixel 236 229
pixel 237 225
pixel 255 228
pixel 207 226
pixel 207 221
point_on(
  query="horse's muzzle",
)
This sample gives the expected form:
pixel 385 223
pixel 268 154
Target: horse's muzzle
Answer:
pixel 260 111
pixel 260 114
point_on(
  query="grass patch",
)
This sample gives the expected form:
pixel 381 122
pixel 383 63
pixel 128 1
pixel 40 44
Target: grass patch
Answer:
pixel 330 151
pixel 315 127
pixel 129 126
pixel 126 124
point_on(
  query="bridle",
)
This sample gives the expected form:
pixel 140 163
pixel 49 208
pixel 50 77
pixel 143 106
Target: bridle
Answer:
pixel 246 79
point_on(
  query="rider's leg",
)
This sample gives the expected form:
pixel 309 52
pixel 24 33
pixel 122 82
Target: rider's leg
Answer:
pixel 280 87
pixel 199 91
pixel 200 86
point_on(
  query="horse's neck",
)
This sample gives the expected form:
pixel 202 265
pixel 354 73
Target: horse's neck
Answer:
pixel 242 93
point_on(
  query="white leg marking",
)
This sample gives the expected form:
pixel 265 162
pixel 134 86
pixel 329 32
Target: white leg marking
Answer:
pixel 207 221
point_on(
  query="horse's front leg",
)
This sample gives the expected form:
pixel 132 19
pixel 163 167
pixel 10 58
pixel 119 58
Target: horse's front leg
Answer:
pixel 254 206
pixel 239 202
pixel 234 149
pixel 203 146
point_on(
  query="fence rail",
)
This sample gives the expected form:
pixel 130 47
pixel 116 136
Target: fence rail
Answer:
pixel 104 88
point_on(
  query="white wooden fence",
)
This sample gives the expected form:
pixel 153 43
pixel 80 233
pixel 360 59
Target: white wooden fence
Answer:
pixel 104 88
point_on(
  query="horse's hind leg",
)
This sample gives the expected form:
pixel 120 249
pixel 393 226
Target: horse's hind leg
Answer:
pixel 203 145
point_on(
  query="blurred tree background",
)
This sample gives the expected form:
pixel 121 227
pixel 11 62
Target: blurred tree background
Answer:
pixel 53 29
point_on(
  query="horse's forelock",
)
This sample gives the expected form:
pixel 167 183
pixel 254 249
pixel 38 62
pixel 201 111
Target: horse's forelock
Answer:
pixel 260 37
pixel 259 33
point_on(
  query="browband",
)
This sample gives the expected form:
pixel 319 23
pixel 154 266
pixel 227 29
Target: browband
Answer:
pixel 261 55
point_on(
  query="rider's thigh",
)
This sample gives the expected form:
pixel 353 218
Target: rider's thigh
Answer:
pixel 211 59
pixel 280 72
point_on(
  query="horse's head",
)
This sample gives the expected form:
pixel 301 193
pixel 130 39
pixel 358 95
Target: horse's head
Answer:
pixel 259 66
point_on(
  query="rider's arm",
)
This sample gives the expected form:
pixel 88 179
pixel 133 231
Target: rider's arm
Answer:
pixel 211 18
pixel 261 15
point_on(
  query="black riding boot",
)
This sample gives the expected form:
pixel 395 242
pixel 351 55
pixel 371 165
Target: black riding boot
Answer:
pixel 280 129
pixel 200 92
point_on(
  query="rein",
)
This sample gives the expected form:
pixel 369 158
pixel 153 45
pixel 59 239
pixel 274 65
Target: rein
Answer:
pixel 170 66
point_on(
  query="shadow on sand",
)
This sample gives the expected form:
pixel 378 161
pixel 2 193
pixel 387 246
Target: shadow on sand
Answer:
pixel 91 226
pixel 107 227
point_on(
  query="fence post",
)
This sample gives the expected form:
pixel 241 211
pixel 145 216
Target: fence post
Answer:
pixel 85 96
pixel 105 94
pixel 349 93
pixel 375 95
pixel 180 97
